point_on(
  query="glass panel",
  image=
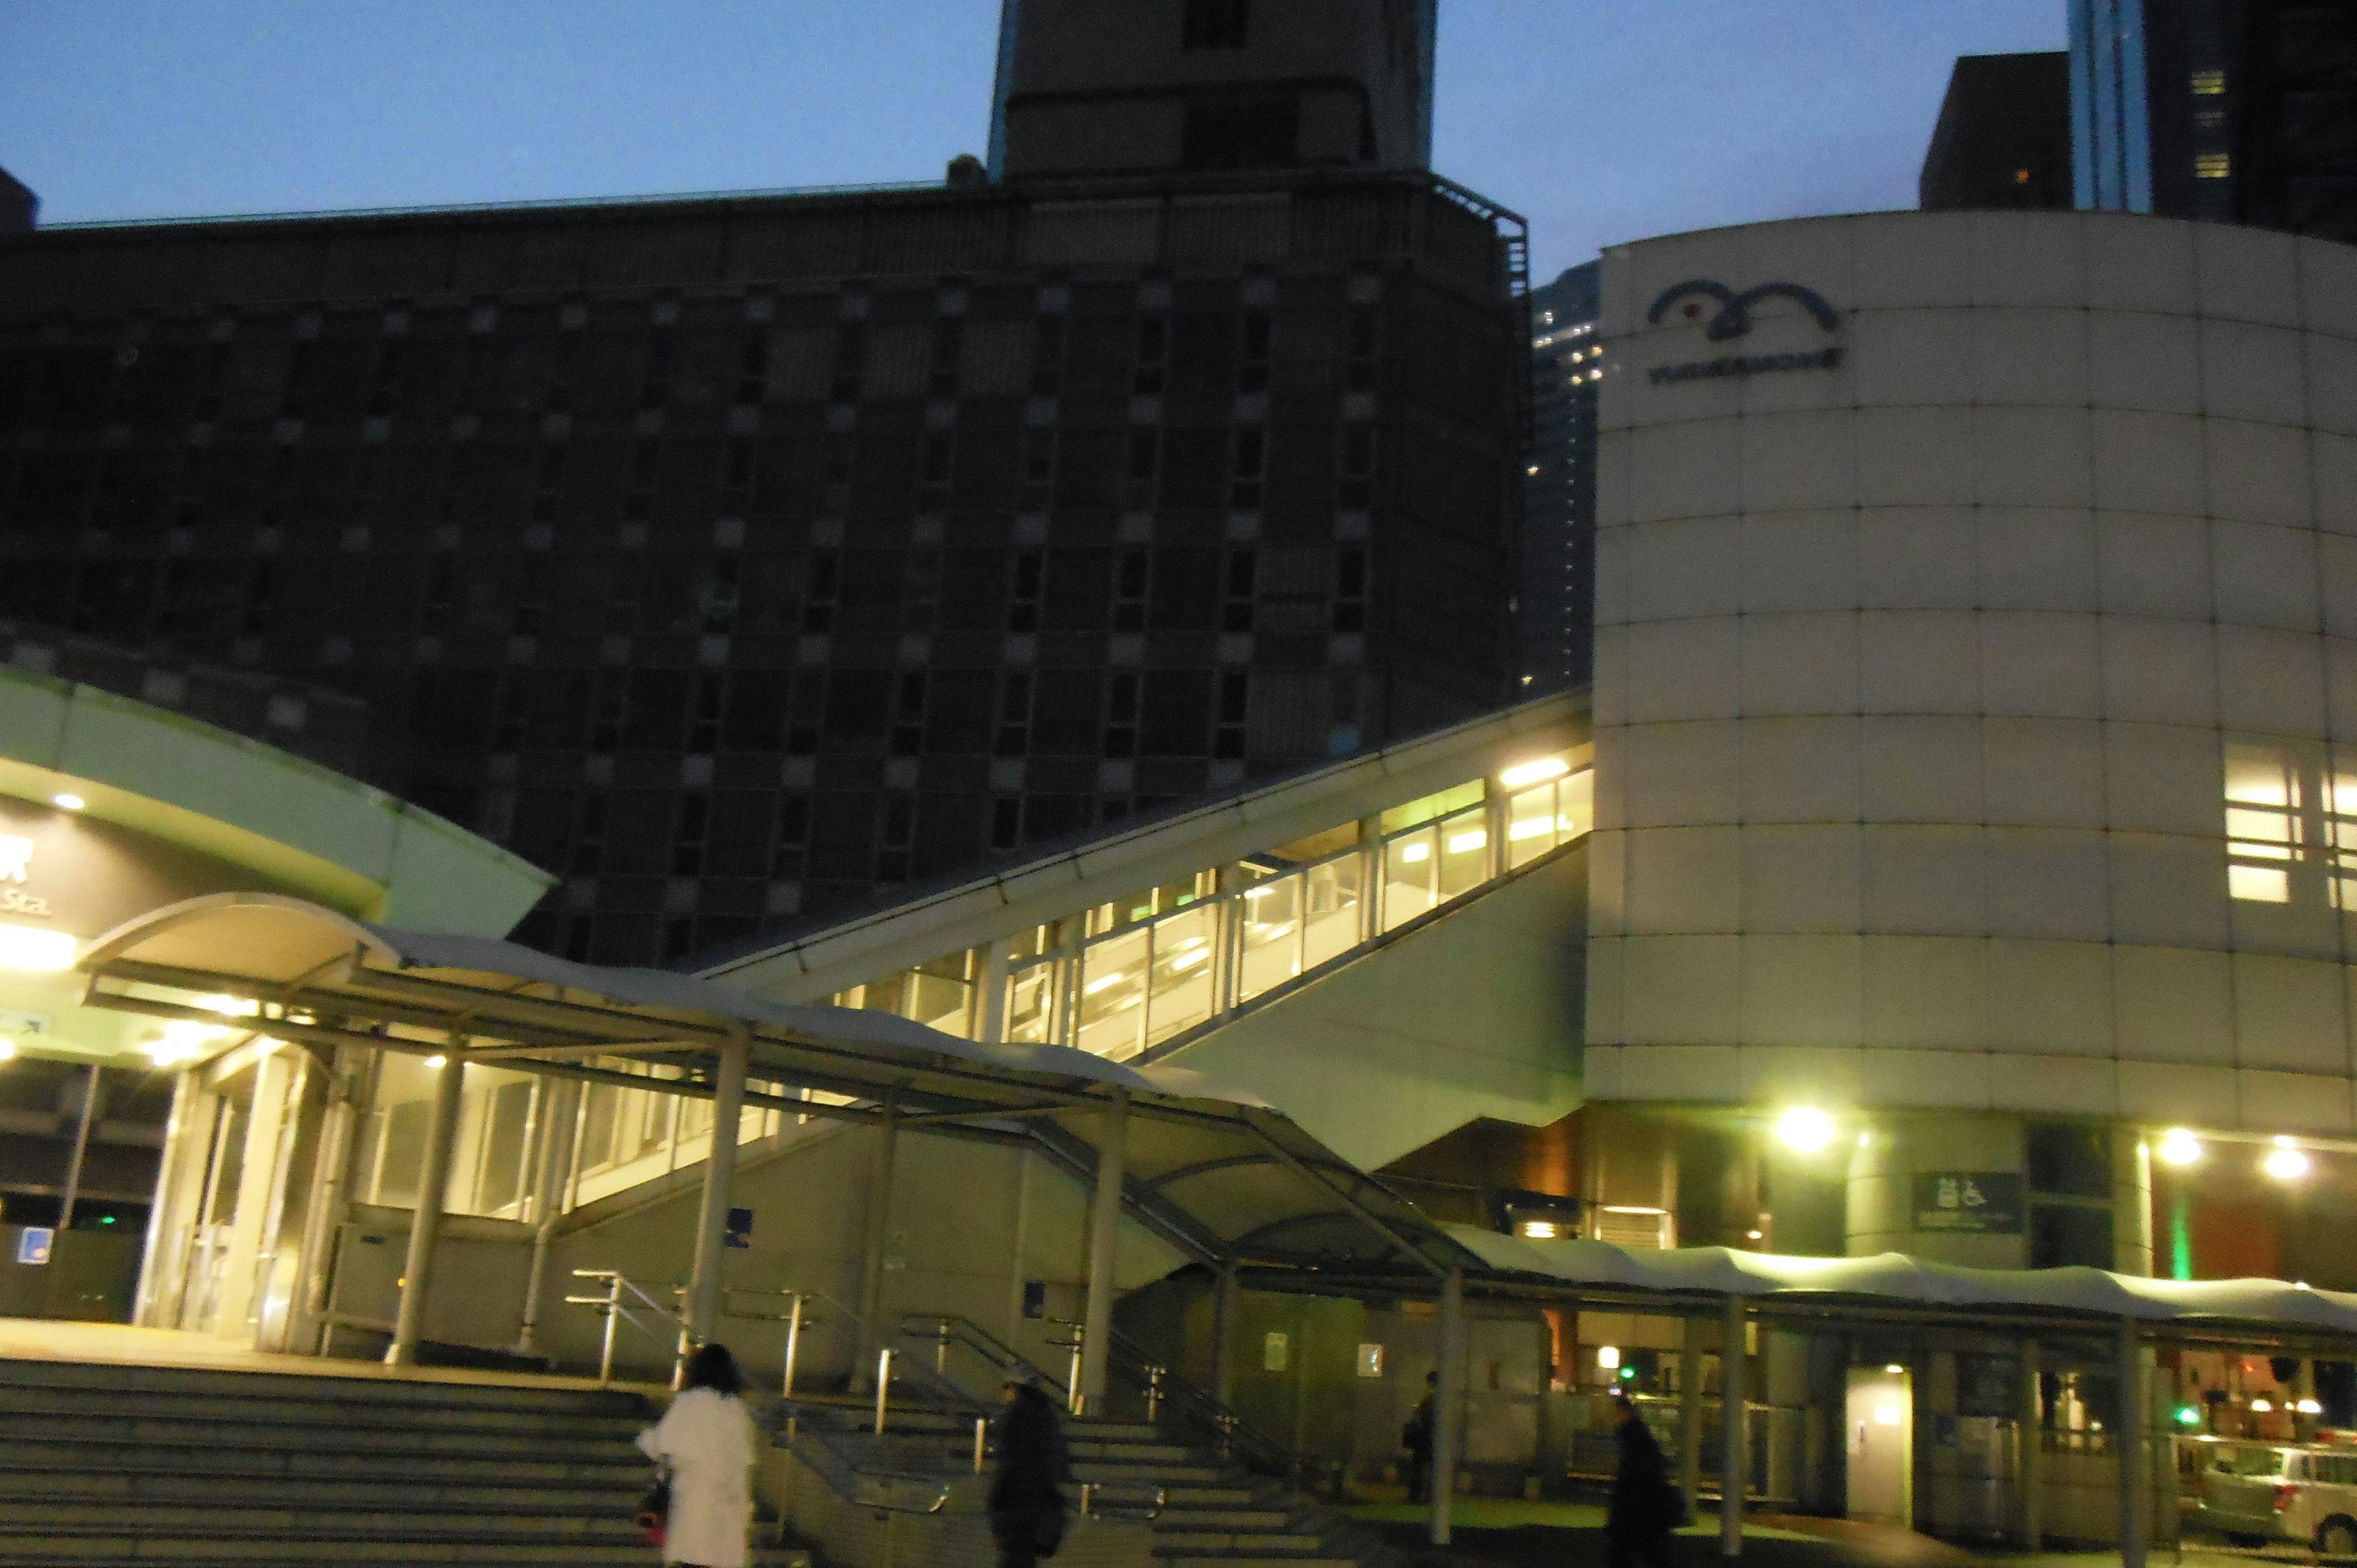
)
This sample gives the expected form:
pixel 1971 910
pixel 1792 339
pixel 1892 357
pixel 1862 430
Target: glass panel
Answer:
pixel 1183 971
pixel 1331 922
pixel 1432 806
pixel 1575 804
pixel 1410 864
pixel 1112 990
pixel 1316 846
pixel 1272 936
pixel 1031 1003
pixel 1530 824
pixel 940 995
pixel 1464 852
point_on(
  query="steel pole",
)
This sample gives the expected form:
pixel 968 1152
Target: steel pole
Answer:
pixel 425 1219
pixel 1448 1404
pixel 704 1292
pixel 1690 1415
pixel 1105 1242
pixel 81 1146
pixel 1735 1435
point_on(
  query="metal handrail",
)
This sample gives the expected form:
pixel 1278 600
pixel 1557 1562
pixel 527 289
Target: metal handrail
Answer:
pixel 842 1473
pixel 888 1363
pixel 947 1328
pixel 614 1309
pixel 1233 1437
pixel 1091 1507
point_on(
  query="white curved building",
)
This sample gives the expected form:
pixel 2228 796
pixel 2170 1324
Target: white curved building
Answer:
pixel 1976 700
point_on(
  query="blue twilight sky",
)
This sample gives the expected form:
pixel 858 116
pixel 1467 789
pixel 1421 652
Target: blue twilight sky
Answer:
pixel 1602 120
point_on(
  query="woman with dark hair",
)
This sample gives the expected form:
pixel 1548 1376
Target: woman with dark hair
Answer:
pixel 707 1439
pixel 1027 1496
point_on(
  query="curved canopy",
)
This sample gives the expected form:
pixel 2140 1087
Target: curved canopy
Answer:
pixel 1894 1277
pixel 1211 1169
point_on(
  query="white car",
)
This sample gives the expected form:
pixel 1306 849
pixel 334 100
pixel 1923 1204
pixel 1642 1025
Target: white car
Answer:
pixel 2265 1491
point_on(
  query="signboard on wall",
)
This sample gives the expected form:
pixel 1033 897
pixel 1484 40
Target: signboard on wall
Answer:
pixel 1976 1203
pixel 63 871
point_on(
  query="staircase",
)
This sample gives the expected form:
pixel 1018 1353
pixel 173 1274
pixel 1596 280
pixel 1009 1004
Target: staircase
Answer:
pixel 102 1465
pixel 1204 1514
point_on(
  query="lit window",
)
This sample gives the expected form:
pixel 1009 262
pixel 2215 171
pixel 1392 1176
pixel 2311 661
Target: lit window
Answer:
pixel 2212 165
pixel 2291 825
pixel 2209 83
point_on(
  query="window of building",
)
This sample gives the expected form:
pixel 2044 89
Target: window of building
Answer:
pixel 1142 473
pixel 1252 350
pixel 2291 825
pixel 1249 462
pixel 2209 83
pixel 1214 24
pixel 2212 165
pixel 1152 354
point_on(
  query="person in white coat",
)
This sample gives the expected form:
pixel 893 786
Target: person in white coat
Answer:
pixel 706 1437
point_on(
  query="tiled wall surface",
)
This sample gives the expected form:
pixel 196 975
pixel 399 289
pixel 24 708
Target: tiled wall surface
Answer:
pixel 1924 679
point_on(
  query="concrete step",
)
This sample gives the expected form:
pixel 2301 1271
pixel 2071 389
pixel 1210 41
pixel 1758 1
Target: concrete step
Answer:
pixel 478 1492
pixel 1180 1543
pixel 613 1466
pixel 1180 1517
pixel 349 1437
pixel 1129 1453
pixel 422 1390
pixel 45 1404
pixel 1251 1560
pixel 122 1551
pixel 1160 1474
pixel 1212 1497
pixel 233 1520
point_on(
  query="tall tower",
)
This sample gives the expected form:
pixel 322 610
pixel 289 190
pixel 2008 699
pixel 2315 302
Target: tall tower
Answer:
pixel 1149 86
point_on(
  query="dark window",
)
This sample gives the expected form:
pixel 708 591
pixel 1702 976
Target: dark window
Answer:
pixel 1121 715
pixel 2066 1235
pixel 2070 1159
pixel 1236 603
pixel 1235 702
pixel 1351 589
pixel 1031 570
pixel 1129 591
pixel 1249 459
pixel 1153 353
pixel 1252 353
pixel 1252 133
pixel 1048 356
pixel 1214 24
pixel 1014 736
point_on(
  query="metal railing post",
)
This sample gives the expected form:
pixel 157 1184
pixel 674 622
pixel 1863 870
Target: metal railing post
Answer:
pixel 613 1315
pixel 1152 1394
pixel 981 1441
pixel 941 1346
pixel 883 1385
pixel 1073 1399
pixel 793 1344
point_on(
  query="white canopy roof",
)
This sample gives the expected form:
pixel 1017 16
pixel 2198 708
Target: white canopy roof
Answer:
pixel 1895 1277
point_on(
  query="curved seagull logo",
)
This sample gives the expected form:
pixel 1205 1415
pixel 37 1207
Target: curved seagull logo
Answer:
pixel 1734 318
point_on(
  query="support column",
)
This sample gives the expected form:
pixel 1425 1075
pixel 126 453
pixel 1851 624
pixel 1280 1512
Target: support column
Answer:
pixel 1690 1415
pixel 330 1201
pixel 171 1200
pixel 548 1200
pixel 1105 1245
pixel 425 1220
pixel 1735 1429
pixel 1225 1300
pixel 2128 1440
pixel 2131 1202
pixel 990 995
pixel 1448 1404
pixel 257 1165
pixel 2030 1461
pixel 90 1089
pixel 703 1288
pixel 879 1217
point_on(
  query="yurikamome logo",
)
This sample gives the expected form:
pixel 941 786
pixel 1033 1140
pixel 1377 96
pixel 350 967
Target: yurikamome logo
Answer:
pixel 1733 319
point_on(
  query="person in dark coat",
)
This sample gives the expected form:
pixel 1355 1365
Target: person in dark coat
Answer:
pixel 1645 1506
pixel 1027 1496
pixel 1417 1438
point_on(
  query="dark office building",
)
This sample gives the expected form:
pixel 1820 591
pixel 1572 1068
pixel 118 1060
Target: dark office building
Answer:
pixel 738 558
pixel 1556 588
pixel 2230 111
pixel 2003 137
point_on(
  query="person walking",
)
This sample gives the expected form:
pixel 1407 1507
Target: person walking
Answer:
pixel 1027 1496
pixel 706 1440
pixel 1645 1506
pixel 1417 1438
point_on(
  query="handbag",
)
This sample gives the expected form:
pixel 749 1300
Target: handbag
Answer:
pixel 654 1509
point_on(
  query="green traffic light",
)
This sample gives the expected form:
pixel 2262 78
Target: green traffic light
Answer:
pixel 2187 1416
